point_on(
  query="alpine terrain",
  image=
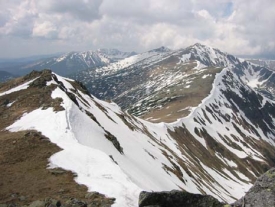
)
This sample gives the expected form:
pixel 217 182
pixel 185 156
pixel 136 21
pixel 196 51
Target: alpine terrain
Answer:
pixel 265 63
pixel 217 138
pixel 71 62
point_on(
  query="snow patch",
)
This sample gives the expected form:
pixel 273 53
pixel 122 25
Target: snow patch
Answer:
pixel 18 88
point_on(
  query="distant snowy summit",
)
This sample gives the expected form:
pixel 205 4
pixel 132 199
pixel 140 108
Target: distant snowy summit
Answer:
pixel 72 62
pixel 265 63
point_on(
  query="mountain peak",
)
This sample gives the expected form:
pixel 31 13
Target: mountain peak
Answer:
pixel 161 49
pixel 201 46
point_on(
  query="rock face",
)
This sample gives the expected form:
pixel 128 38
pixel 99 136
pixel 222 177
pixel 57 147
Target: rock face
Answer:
pixel 176 199
pixel 262 193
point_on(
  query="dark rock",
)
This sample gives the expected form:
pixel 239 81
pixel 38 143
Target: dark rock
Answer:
pixel 75 203
pixel 91 195
pixel 176 199
pixel 262 193
pixel 58 204
pixel 6 102
pixel 114 140
pixel 72 97
pixel 42 80
pixel 57 171
pixel 49 202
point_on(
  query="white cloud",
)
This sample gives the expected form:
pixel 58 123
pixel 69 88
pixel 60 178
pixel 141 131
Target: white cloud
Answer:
pixel 44 29
pixel 236 26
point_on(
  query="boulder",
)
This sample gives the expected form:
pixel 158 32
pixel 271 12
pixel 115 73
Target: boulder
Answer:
pixel 176 198
pixel 262 193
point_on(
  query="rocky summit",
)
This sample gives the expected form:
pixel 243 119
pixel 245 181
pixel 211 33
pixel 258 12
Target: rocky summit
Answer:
pixel 262 193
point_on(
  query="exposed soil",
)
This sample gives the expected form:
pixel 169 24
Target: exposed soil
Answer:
pixel 179 107
pixel 23 166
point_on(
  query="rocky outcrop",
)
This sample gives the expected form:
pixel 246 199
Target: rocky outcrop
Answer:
pixel 176 198
pixel 92 199
pixel 262 193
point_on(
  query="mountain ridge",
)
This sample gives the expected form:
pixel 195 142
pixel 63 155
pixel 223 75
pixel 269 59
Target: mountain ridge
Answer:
pixel 218 149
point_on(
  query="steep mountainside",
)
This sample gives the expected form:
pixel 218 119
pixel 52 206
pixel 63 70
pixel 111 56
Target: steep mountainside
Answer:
pixel 218 149
pixel 72 62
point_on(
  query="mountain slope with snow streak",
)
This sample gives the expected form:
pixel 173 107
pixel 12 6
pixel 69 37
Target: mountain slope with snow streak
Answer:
pixel 112 152
pixel 218 149
pixel 152 84
pixel 159 85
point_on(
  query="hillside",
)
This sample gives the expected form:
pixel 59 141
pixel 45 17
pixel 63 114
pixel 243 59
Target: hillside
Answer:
pixel 218 149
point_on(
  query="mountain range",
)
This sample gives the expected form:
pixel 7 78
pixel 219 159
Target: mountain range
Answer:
pixel 4 76
pixel 265 63
pixel 215 130
pixel 65 64
pixel 164 85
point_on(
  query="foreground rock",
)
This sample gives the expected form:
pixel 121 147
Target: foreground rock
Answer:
pixel 92 199
pixel 176 199
pixel 262 193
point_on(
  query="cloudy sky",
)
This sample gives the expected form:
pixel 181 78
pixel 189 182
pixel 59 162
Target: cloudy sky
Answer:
pixel 35 27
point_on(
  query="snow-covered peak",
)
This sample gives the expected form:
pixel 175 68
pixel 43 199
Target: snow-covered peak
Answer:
pixel 210 56
pixel 161 49
pixel 73 62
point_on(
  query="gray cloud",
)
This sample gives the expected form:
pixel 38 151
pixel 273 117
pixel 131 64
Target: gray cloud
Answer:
pixel 85 10
pixel 235 26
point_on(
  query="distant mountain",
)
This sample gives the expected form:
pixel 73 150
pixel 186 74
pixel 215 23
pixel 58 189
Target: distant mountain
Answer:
pixel 5 76
pixel 27 59
pixel 115 55
pixel 265 63
pixel 67 63
pixel 14 64
pixel 159 85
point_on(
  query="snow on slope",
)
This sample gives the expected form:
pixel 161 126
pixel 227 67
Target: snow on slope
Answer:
pixel 238 78
pixel 86 151
pixel 144 58
pixel 18 88
pixel 148 161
